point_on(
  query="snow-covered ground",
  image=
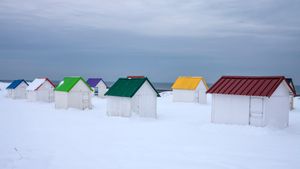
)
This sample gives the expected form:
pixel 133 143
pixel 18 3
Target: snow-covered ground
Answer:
pixel 34 135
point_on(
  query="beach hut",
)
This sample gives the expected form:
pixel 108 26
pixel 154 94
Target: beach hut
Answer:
pixel 98 86
pixel 17 89
pixel 41 89
pixel 292 95
pixel 73 92
pixel 130 96
pixel 189 89
pixel 251 100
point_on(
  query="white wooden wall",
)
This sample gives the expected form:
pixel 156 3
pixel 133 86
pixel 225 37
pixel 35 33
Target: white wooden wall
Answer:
pixel 118 106
pixel 46 92
pixel 19 92
pixel 277 107
pixel 101 89
pixel 77 94
pixel 61 100
pixel 143 103
pixel 184 95
pixel 230 109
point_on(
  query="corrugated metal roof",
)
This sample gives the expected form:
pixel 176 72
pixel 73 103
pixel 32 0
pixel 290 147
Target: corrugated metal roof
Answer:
pixel 68 83
pixel 247 85
pixel 188 83
pixel 127 87
pixel 14 84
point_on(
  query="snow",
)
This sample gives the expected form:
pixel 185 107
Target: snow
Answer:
pixel 61 83
pixel 34 135
pixel 35 84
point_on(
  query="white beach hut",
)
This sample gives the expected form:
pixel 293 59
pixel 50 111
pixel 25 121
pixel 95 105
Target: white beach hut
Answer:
pixel 190 89
pixel 98 86
pixel 41 89
pixel 129 96
pixel 73 92
pixel 249 100
pixel 17 89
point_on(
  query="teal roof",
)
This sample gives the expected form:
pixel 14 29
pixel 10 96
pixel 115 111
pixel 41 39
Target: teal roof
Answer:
pixel 127 87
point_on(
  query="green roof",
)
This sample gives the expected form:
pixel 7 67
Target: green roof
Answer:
pixel 127 87
pixel 68 83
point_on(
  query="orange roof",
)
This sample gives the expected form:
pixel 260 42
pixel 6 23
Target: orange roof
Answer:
pixel 188 83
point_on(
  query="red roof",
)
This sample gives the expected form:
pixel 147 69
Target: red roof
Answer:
pixel 135 77
pixel 247 85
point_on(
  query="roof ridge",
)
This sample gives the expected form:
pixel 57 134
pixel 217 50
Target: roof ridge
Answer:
pixel 256 77
pixel 191 76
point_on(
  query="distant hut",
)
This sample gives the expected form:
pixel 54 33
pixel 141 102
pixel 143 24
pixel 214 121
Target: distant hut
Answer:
pixel 73 92
pixel 190 89
pixel 17 89
pixel 98 86
pixel 41 89
pixel 130 96
pixel 251 100
pixel 292 94
pixel 134 77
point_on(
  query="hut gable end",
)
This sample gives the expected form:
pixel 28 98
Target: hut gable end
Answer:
pixel 80 86
pixel 282 90
pixel 146 89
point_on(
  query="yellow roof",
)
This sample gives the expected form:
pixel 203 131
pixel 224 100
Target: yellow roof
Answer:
pixel 188 83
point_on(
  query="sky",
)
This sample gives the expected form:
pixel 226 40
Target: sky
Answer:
pixel 161 39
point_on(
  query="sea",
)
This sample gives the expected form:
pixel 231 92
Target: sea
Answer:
pixel 160 86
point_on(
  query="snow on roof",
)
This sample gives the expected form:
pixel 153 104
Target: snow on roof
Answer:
pixel 35 84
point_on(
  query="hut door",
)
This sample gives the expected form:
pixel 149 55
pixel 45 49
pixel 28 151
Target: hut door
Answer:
pixel 197 96
pixel 85 100
pixel 96 91
pixel 256 111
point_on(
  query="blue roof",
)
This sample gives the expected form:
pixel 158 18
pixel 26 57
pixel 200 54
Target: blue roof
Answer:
pixel 16 83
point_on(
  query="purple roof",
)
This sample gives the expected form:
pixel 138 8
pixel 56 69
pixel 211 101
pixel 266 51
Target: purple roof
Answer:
pixel 94 81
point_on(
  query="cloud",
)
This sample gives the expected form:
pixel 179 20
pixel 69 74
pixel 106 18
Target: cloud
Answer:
pixel 191 18
pixel 158 38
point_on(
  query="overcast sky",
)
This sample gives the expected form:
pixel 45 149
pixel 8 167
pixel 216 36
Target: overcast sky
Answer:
pixel 161 39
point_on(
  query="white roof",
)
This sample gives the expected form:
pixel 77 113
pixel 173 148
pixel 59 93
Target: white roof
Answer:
pixel 35 84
